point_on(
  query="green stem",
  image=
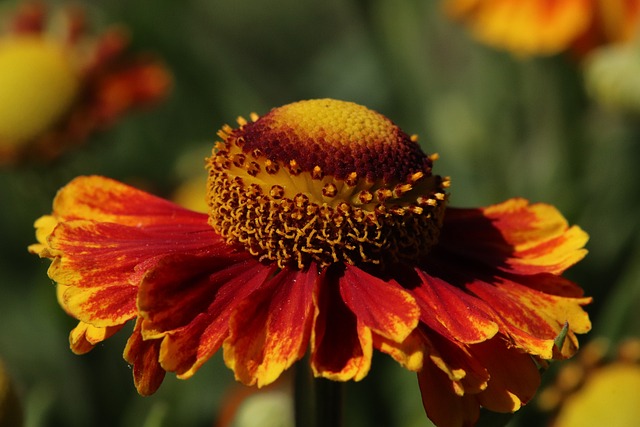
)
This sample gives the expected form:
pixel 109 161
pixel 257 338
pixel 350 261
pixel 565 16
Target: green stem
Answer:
pixel 303 394
pixel 318 402
pixel 329 403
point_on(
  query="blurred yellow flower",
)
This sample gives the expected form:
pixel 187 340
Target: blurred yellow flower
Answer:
pixel 58 84
pixel 191 194
pixel 547 27
pixel 594 392
pixel 38 84
pixel 610 397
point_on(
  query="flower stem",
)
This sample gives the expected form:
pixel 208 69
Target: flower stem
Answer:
pixel 329 396
pixel 318 402
pixel 303 394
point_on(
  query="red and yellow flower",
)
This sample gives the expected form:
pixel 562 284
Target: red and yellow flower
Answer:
pixel 59 84
pixel 327 233
pixel 546 27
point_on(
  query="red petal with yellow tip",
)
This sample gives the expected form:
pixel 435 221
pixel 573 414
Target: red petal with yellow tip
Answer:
pixel 443 406
pixel 143 355
pixel 188 300
pixel 84 337
pixel 514 236
pixel 408 353
pixel 101 264
pixel 341 346
pixel 514 377
pixel 533 319
pixel 383 306
pixel 180 287
pixel 270 329
pixel 105 200
pixel 467 374
pixel 101 306
pixel 511 253
pixel 108 236
pixel 452 312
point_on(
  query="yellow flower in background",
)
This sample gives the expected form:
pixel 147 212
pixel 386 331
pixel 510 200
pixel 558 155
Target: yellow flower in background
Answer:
pixel 191 192
pixel 594 391
pixel 58 84
pixel 547 27
pixel 327 233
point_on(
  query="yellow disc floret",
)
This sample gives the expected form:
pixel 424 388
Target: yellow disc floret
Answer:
pixel 324 181
pixel 37 86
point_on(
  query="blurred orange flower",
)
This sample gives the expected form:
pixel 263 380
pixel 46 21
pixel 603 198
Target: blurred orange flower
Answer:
pixel 546 27
pixel 326 232
pixel 58 84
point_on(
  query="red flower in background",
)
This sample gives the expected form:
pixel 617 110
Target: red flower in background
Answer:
pixel 327 232
pixel 59 84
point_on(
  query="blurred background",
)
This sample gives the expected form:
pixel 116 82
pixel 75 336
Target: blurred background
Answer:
pixel 562 129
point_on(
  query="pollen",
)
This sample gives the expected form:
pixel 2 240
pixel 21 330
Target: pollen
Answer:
pixel 38 84
pixel 324 181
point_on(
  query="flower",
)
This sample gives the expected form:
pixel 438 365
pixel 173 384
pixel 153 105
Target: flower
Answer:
pixel 595 390
pixel 327 232
pixel 59 84
pixel 546 27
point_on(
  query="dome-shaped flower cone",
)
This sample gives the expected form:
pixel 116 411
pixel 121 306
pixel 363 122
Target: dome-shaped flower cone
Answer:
pixel 59 84
pixel 327 232
pixel 547 27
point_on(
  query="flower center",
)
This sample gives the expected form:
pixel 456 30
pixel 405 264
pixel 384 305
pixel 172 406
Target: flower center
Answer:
pixel 325 181
pixel 37 86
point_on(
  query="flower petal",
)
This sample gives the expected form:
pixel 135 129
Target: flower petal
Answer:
pixel 531 318
pixel 101 307
pixel 408 353
pixel 442 405
pixel 44 227
pixel 270 329
pixel 181 286
pixel 383 306
pixel 143 355
pixel 453 312
pixel 512 253
pixel 514 236
pixel 97 264
pixel 514 376
pixel 187 300
pixel 89 254
pixel 465 371
pixel 105 200
pixel 84 337
pixel 341 345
